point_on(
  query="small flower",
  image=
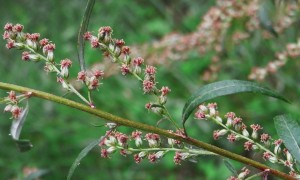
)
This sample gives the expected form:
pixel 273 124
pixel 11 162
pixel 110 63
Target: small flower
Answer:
pixel 10 44
pixel 12 96
pixel 48 50
pixel 244 173
pixel 268 156
pixel 150 70
pixel 81 76
pixel 125 50
pixel 148 106
pixel 230 116
pixel 153 139
pixel 98 74
pixel 125 69
pixel 104 153
pixel 137 136
pixel 265 138
pixel 6 35
pixel 122 139
pixel 177 158
pixel 119 43
pixel 87 35
pixel 165 90
pixel 231 137
pixel 16 111
pixel 137 158
pixel 17 27
pixel 277 144
pixel 212 107
pixel 218 133
pixel 8 27
pixel 248 145
pixel 104 33
pixel 255 128
pixel 152 157
pixel 26 56
pixel 200 115
pixel 93 83
pixel 95 43
pixel 138 61
pixel 148 86
pixel 44 42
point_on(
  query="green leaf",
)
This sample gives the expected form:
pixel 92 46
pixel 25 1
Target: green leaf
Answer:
pixel 37 174
pixel 83 29
pixel 17 124
pixel 264 15
pixel 15 131
pixel 289 131
pixel 230 167
pixel 23 145
pixel 82 154
pixel 223 88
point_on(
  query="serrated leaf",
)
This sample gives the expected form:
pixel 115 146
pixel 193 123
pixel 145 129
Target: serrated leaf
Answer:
pixel 289 131
pixel 223 88
pixel 82 154
pixel 230 167
pixel 83 29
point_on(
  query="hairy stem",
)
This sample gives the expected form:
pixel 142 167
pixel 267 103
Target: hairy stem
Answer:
pixel 145 127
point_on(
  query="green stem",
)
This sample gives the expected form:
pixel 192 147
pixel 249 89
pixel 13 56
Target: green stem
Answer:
pixel 145 127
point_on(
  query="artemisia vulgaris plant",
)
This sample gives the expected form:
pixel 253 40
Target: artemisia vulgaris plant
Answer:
pixel 147 142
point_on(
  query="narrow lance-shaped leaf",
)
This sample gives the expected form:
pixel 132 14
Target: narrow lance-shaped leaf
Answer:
pixel 289 131
pixel 230 167
pixel 16 128
pixel 223 88
pixel 83 29
pixel 82 154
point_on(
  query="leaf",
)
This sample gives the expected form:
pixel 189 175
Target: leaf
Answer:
pixel 15 131
pixel 17 124
pixel 83 29
pixel 264 15
pixel 82 154
pixel 223 88
pixel 23 145
pixel 37 174
pixel 230 167
pixel 289 131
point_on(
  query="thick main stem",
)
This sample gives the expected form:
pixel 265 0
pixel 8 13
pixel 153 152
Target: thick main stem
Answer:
pixel 145 127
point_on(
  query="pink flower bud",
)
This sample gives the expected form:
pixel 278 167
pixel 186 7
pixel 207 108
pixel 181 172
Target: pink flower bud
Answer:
pixel 8 27
pixel 81 76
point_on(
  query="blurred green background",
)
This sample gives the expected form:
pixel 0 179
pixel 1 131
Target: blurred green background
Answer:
pixel 58 133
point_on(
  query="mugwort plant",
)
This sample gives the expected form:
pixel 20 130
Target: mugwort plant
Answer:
pixel 145 142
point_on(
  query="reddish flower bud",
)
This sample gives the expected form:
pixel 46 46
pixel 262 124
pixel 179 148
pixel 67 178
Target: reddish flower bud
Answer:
pixel 18 27
pixel 81 76
pixel 44 42
pixel 125 50
pixel 98 73
pixel 8 27
pixel 125 69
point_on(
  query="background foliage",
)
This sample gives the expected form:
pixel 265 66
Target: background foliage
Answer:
pixel 59 133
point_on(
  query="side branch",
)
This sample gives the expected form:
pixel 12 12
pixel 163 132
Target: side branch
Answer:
pixel 145 127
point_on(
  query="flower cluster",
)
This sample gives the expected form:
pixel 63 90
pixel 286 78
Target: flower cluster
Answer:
pixel 13 103
pixel 292 51
pixel 117 52
pixel 37 50
pixel 235 129
pixel 148 146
